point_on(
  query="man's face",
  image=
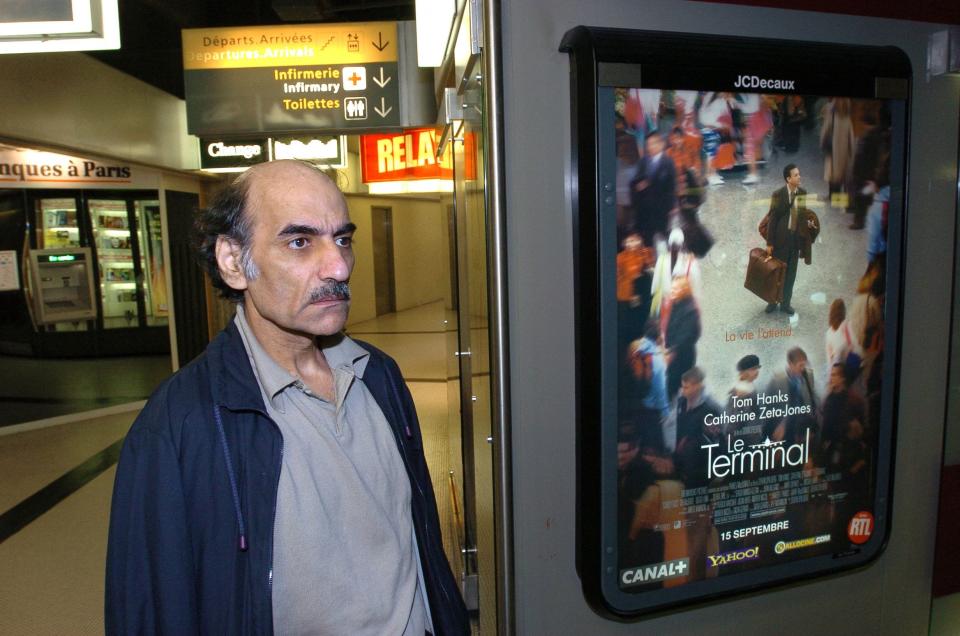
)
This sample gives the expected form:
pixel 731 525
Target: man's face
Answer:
pixel 798 367
pixel 794 179
pixel 626 452
pixel 654 145
pixel 633 242
pixel 679 288
pixel 836 379
pixel 690 389
pixel 301 243
pixel 751 374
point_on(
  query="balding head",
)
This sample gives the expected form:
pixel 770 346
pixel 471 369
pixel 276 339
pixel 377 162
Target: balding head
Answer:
pixel 293 265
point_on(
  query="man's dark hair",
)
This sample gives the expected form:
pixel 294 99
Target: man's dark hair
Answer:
pixel 838 313
pixel 227 217
pixel 693 374
pixel 651 329
pixel 795 355
pixel 628 433
pixel 846 373
pixel 787 169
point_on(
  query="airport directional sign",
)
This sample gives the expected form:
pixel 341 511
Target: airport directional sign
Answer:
pixel 335 77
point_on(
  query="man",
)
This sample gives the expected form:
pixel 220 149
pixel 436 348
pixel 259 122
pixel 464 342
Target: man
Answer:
pixel 871 168
pixel 694 434
pixel 782 238
pixel 645 397
pixel 742 399
pixel 278 483
pixel 681 332
pixel 634 276
pixel 840 407
pixel 693 406
pixel 655 191
pixel 796 384
pixel 684 151
pixel 638 541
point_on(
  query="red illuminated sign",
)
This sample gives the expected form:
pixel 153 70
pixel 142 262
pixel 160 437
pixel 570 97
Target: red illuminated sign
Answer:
pixel 411 155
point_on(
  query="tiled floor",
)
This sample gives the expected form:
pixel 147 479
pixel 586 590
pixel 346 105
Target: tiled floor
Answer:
pixel 34 389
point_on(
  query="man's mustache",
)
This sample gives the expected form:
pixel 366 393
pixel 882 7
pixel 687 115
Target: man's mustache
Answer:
pixel 339 290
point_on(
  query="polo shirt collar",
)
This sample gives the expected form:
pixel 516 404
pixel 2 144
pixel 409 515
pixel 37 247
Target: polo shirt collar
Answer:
pixel 341 352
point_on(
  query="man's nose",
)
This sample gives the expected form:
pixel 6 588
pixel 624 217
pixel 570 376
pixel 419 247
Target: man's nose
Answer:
pixel 335 263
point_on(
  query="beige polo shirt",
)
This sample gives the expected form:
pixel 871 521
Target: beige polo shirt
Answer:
pixel 344 549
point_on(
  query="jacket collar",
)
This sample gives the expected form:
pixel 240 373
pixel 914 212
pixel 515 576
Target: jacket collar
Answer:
pixel 234 386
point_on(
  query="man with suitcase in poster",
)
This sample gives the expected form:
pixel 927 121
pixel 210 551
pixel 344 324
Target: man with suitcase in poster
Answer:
pixel 784 232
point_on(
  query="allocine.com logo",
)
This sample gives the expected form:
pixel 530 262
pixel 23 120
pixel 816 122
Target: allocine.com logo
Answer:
pixel 783 546
pixel 654 572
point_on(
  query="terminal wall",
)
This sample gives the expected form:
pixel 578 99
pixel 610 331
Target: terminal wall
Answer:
pixel 70 100
pixel 892 596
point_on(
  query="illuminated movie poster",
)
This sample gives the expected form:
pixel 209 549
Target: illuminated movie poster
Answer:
pixel 747 239
pixel 748 425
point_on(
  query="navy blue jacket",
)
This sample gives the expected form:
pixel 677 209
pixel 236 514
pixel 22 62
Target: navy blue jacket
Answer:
pixel 191 539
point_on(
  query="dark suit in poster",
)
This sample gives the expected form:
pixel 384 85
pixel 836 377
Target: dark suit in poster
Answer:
pixel 654 196
pixel 785 242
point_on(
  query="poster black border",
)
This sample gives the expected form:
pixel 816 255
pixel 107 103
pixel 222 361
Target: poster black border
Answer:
pixel 605 57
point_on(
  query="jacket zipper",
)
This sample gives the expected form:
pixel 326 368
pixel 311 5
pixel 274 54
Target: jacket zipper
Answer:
pixel 273 519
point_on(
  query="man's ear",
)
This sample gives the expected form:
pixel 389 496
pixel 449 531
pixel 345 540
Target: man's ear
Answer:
pixel 229 262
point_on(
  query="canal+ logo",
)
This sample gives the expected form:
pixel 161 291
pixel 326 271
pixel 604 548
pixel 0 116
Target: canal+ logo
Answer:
pixel 655 572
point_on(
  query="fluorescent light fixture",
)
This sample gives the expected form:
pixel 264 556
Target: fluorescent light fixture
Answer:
pixel 47 17
pixel 423 186
pixel 60 25
pixel 218 170
pixel 434 18
pixel 327 152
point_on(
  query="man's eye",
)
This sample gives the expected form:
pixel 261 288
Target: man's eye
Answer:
pixel 298 243
pixel 344 241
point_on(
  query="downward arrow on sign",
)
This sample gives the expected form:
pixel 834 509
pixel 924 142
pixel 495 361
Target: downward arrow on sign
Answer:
pixel 380 81
pixel 380 44
pixel 384 110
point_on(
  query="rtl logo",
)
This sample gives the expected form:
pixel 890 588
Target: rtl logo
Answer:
pixel 860 527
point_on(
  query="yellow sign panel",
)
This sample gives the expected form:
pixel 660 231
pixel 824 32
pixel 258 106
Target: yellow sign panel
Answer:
pixel 289 45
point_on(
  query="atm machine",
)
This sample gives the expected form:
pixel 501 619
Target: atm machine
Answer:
pixel 62 285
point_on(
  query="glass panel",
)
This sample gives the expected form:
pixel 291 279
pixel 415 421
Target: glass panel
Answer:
pixel 147 218
pixel 470 190
pixel 57 223
pixel 118 285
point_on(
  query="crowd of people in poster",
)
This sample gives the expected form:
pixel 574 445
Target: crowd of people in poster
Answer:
pixel 747 430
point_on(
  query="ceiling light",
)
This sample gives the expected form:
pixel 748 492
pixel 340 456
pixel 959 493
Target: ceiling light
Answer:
pixel 60 25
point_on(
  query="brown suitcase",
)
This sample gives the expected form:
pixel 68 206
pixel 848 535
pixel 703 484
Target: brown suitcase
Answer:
pixel 765 275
